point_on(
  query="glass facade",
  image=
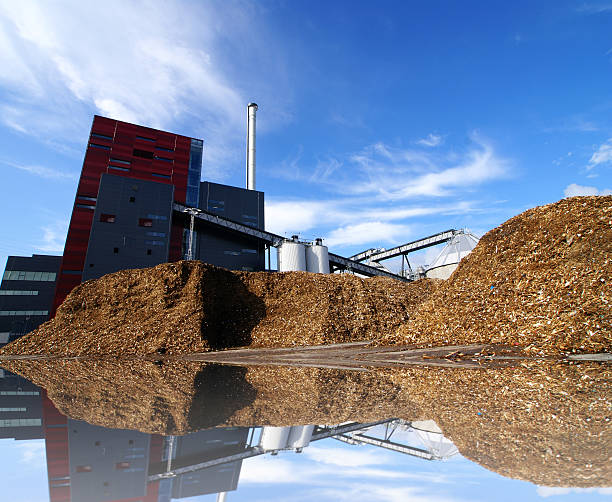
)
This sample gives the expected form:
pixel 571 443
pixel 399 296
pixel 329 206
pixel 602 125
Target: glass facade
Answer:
pixel 195 173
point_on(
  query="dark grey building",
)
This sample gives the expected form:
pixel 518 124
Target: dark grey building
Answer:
pixel 222 248
pixel 131 226
pixel 20 408
pixel 26 294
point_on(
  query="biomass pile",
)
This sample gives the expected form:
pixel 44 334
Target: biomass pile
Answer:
pixel 545 423
pixel 542 280
pixel 190 306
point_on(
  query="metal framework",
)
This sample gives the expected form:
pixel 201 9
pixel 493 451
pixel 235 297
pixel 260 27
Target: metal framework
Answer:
pixel 379 255
pixel 335 261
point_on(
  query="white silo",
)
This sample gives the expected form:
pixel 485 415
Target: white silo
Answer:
pixel 274 438
pixel 448 260
pixel 292 256
pixel 300 435
pixel 317 257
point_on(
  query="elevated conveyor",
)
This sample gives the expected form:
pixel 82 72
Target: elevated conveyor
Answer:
pixel 203 218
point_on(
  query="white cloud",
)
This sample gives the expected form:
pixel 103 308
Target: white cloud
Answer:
pixel 44 172
pixel 345 457
pixel 63 61
pixel 268 469
pixel 550 491
pixel 31 453
pixel 602 156
pixel 431 140
pixel 297 216
pixel 574 190
pixel 371 231
pixel 53 238
pixel 377 492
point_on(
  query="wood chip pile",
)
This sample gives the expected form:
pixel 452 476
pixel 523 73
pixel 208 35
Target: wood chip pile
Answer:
pixel 190 306
pixel 542 280
pixel 545 423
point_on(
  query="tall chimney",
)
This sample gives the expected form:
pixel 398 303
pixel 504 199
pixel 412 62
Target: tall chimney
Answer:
pixel 250 175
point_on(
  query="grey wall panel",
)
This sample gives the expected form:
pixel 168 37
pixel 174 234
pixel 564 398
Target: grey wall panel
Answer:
pixel 131 227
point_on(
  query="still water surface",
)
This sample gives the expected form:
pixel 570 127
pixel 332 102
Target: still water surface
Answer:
pixel 142 431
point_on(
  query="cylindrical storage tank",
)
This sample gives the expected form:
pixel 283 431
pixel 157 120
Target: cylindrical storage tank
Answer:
pixel 317 258
pixel 300 435
pixel 291 257
pixel 274 438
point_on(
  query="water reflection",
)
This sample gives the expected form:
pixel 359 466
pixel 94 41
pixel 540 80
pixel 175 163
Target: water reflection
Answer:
pixel 149 430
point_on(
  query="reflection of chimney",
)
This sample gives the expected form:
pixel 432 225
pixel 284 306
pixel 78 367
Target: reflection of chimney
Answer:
pixel 251 110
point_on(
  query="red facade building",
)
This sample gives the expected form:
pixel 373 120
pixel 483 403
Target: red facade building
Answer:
pixel 136 152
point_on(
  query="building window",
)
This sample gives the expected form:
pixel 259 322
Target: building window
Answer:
pixel 145 222
pixel 107 218
pixel 157 217
pixel 85 206
pixel 164 176
pixel 164 149
pixel 84 197
pixel 149 251
pixel 20 422
pixel 155 243
pixel 101 136
pixel 119 161
pixel 6 313
pixel 12 292
pixel 120 466
pixel 21 275
pixel 132 199
pixel 232 253
pixel 249 251
pixel 83 468
pixel 163 158
pixel 156 234
pixel 13 409
pixel 102 147
pixel 122 169
pixel 116 250
pixel 145 139
pixel 142 153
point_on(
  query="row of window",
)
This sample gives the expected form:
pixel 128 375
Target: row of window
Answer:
pixel 14 292
pixel 23 312
pixel 20 422
pixel 19 393
pixel 22 275
pixel 12 409
pixel 243 251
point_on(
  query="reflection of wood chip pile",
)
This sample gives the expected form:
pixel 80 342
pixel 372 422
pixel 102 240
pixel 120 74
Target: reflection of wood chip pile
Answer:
pixel 545 423
pixel 542 280
pixel 192 307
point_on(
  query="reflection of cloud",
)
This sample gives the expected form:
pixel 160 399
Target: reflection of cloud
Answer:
pixel 549 491
pixel 31 453
pixel 573 190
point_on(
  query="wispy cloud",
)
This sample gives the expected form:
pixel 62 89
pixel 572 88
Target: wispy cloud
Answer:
pixel 32 453
pixel 574 190
pixel 43 172
pixel 53 237
pixel 131 64
pixel 602 156
pixel 371 231
pixel 550 491
pixel 431 140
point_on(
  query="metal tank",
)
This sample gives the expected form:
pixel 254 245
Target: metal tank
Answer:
pixel 292 256
pixel 274 438
pixel 300 435
pixel 317 258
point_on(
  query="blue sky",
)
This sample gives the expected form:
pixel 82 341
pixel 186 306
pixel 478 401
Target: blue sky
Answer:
pixel 378 123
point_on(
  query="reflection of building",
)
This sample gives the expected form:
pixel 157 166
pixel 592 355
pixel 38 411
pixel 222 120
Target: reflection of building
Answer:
pixel 26 294
pixel 20 408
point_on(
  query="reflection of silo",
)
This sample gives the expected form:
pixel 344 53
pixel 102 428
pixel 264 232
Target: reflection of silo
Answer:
pixel 300 435
pixel 317 258
pixel 292 256
pixel 274 438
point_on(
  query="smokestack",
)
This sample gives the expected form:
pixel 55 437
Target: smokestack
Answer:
pixel 250 175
